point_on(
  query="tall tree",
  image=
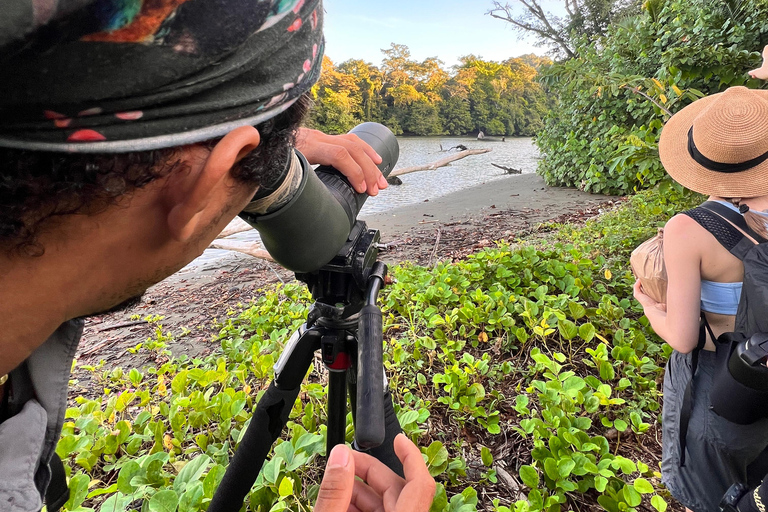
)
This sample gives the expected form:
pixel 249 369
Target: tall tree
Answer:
pixel 583 18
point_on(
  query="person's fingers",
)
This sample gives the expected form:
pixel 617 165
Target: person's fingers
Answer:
pixel 338 157
pixel 761 72
pixel 348 153
pixel 365 156
pixel 365 499
pixel 378 476
pixel 372 154
pixel 338 482
pixel 419 490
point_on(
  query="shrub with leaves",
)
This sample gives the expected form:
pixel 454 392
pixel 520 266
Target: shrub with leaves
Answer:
pixel 614 98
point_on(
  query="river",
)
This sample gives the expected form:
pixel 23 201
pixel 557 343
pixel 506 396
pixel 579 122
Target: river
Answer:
pixel 516 152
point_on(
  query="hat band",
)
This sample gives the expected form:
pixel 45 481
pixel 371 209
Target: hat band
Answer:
pixel 720 166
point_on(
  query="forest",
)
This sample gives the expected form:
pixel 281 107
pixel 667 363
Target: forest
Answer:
pixel 424 98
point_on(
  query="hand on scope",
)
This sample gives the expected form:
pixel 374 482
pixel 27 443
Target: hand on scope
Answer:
pixel 761 72
pixel 380 489
pixel 348 154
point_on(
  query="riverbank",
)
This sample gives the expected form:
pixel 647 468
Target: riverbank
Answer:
pixel 448 227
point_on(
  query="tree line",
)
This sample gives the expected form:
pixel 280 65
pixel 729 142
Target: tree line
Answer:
pixel 425 98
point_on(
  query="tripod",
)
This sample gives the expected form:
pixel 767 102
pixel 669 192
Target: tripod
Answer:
pixel 345 324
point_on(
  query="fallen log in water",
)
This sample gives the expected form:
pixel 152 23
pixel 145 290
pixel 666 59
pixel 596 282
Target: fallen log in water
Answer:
pixel 440 163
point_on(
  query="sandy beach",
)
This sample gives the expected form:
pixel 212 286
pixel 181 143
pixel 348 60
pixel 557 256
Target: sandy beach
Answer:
pixel 526 194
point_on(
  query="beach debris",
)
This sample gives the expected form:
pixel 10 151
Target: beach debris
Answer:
pixel 460 147
pixel 508 170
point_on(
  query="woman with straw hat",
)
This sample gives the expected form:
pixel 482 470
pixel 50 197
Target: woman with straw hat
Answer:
pixel 717 146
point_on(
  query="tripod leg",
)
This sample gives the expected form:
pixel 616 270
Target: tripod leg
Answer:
pixel 386 451
pixel 337 409
pixel 267 422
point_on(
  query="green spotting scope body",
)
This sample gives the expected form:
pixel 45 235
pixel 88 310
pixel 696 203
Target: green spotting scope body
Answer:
pixel 306 233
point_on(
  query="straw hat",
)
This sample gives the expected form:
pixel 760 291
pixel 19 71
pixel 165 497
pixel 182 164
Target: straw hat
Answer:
pixel 718 145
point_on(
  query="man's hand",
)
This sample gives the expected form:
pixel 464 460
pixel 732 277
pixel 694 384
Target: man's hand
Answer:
pixel 761 72
pixel 348 154
pixel 379 488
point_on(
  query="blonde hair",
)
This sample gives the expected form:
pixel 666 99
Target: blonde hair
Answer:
pixel 755 222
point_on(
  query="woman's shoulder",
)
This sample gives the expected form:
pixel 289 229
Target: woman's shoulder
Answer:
pixel 681 224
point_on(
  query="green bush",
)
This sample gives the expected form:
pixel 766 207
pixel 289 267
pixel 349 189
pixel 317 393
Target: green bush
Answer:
pixel 614 98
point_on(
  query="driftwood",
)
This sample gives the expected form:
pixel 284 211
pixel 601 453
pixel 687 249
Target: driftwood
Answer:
pixel 440 163
pixel 254 249
pixel 508 170
pixel 237 225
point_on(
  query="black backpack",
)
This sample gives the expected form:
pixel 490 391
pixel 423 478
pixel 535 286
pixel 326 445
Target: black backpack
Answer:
pixel 731 398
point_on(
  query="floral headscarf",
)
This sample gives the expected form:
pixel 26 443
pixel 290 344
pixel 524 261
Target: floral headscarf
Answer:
pixel 129 75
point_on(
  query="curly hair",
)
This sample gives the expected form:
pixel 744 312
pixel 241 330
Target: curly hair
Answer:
pixel 37 186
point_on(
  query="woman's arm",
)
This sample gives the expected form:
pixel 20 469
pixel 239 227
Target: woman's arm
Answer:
pixel 678 325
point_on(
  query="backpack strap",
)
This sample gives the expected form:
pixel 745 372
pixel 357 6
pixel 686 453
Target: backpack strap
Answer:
pixel 687 406
pixel 727 226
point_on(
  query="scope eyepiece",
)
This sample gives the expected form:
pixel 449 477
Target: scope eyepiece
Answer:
pixel 306 233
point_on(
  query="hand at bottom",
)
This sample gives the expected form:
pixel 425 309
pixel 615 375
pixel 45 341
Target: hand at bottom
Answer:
pixel 379 488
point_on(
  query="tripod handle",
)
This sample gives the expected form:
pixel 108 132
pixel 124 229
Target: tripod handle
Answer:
pixel 369 418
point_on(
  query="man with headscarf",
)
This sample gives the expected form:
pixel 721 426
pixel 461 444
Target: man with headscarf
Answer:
pixel 131 133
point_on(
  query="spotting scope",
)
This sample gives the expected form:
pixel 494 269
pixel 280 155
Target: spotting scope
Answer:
pixel 307 232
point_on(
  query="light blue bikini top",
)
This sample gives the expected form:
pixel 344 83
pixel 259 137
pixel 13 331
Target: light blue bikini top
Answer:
pixel 722 298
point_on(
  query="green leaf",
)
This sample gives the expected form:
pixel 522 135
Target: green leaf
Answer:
pixel 164 501
pixel 587 332
pixel 286 487
pixel 551 469
pixel 116 503
pixel 437 458
pixel 486 456
pixel 658 503
pixel 529 476
pixel 212 480
pixel 601 483
pixel 78 490
pixel 577 310
pixel 565 466
pixel 607 371
pixel 567 329
pixel 191 472
pixel 131 469
pixel 192 497
pixel 631 496
pixel 643 486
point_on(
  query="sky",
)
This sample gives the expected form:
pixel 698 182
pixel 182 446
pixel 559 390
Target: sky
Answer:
pixel 447 29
